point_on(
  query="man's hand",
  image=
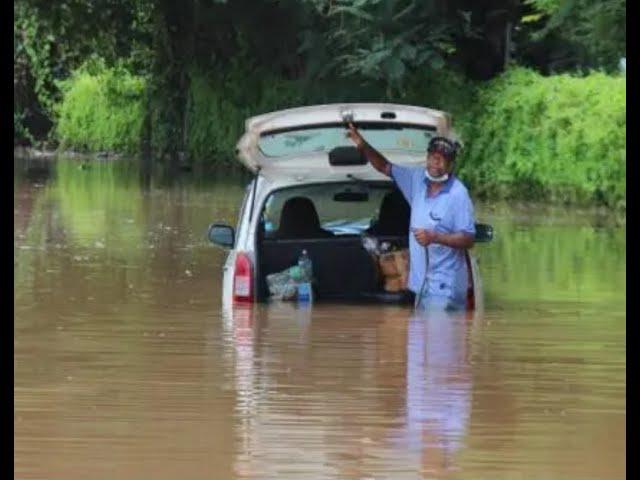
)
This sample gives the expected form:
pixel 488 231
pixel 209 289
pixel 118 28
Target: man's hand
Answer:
pixel 424 237
pixel 355 136
pixel 376 159
pixel 454 240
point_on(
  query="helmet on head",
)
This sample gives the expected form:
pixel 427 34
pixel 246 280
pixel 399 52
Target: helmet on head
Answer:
pixel 448 148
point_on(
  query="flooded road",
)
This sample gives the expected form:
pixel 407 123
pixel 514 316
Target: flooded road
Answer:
pixel 127 366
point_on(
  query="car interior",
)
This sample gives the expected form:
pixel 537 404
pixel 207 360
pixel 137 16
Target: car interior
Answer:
pixel 343 269
pixel 299 220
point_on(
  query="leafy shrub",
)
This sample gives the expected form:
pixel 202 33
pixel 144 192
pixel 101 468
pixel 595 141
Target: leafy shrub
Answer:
pixel 560 138
pixel 102 109
pixel 219 105
pixel 447 90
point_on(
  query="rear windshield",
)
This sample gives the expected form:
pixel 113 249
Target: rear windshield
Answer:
pixel 337 209
pixel 323 138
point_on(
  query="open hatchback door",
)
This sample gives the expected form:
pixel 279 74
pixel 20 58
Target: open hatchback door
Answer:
pixel 298 142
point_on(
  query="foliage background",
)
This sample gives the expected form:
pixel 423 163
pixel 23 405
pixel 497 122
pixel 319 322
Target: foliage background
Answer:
pixel 561 138
pixel 533 85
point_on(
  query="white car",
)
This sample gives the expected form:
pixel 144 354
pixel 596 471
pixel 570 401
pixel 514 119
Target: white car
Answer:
pixel 314 191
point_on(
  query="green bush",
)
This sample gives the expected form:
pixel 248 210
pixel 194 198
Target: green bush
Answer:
pixel 559 138
pixel 102 109
pixel 218 107
pixel 447 90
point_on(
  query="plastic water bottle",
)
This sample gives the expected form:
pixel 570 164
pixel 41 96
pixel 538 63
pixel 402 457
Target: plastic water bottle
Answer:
pixel 305 292
pixel 304 262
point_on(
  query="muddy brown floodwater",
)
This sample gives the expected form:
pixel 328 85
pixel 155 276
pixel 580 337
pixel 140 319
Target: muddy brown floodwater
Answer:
pixel 127 366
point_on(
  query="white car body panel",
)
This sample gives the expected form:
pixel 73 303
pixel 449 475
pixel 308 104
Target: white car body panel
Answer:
pixel 252 158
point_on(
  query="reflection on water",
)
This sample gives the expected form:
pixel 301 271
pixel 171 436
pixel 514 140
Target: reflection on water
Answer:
pixel 439 386
pixel 126 365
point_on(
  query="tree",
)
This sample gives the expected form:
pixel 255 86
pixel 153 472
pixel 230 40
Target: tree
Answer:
pixel 575 34
pixel 51 39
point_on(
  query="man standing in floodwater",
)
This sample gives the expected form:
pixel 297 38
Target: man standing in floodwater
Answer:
pixel 442 222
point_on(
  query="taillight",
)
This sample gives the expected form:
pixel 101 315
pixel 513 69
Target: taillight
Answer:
pixel 243 279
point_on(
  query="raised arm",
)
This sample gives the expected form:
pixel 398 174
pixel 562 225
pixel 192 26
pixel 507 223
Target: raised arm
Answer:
pixel 374 157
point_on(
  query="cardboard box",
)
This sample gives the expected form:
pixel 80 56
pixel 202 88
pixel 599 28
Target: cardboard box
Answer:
pixel 388 265
pixel 393 284
pixel 395 270
pixel 394 263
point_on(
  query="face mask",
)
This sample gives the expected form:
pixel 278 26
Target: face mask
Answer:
pixel 440 179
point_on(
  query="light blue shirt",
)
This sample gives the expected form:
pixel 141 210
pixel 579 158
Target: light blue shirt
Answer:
pixel 450 211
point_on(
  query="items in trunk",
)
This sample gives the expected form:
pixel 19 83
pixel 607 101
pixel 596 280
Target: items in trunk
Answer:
pixel 394 267
pixel 392 263
pixel 293 283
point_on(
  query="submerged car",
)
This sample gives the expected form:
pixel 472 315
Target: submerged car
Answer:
pixel 313 190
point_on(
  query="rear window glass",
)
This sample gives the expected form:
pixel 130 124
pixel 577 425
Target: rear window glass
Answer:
pixel 337 209
pixel 388 137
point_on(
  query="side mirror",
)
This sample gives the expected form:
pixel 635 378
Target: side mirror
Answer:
pixel 221 234
pixel 484 233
